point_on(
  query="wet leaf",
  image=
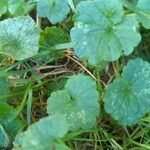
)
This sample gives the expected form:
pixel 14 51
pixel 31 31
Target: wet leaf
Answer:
pixel 104 31
pixel 43 135
pixel 127 99
pixel 78 102
pixel 55 10
pixel 19 37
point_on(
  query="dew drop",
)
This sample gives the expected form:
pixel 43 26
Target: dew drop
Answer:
pixel 84 43
pixel 80 25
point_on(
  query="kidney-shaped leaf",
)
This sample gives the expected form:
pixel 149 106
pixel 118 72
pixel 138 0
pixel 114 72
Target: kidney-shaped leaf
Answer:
pixel 55 10
pixel 19 37
pixel 104 32
pixel 43 135
pixel 128 99
pixel 78 102
pixel 143 12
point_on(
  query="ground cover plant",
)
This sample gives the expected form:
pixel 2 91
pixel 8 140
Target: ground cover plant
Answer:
pixel 74 74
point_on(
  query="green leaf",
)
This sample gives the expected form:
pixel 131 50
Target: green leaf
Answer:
pixel 3 7
pixel 128 99
pixel 55 10
pixel 143 12
pixel 61 147
pixel 19 37
pixel 77 2
pixel 134 2
pixel 104 32
pixel 5 110
pixel 53 36
pixel 4 138
pixel 9 121
pixel 78 102
pixel 4 89
pixel 42 135
pixel 14 7
pixel 49 38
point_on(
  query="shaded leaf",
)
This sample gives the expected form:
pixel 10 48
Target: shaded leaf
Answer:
pixel 49 38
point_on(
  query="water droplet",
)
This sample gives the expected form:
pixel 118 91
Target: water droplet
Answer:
pixel 80 25
pixel 84 43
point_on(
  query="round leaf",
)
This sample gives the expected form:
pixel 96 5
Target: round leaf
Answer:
pixel 78 102
pixel 128 99
pixel 104 32
pixel 43 134
pixel 55 10
pixel 143 12
pixel 19 37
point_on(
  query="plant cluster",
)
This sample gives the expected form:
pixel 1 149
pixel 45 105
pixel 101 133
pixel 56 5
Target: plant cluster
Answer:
pixel 103 37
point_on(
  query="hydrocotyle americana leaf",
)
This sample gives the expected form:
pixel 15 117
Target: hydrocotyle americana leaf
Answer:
pixel 19 37
pixel 104 31
pixel 43 135
pixel 143 12
pixel 128 99
pixel 55 10
pixel 78 102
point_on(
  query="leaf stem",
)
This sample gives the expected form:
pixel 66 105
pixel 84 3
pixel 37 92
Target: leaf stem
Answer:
pixel 99 86
pixel 23 103
pixel 140 145
pixel 64 46
pixel 128 5
pixel 71 4
pixel 84 68
pixel 98 79
pixel 29 106
pixel 116 68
